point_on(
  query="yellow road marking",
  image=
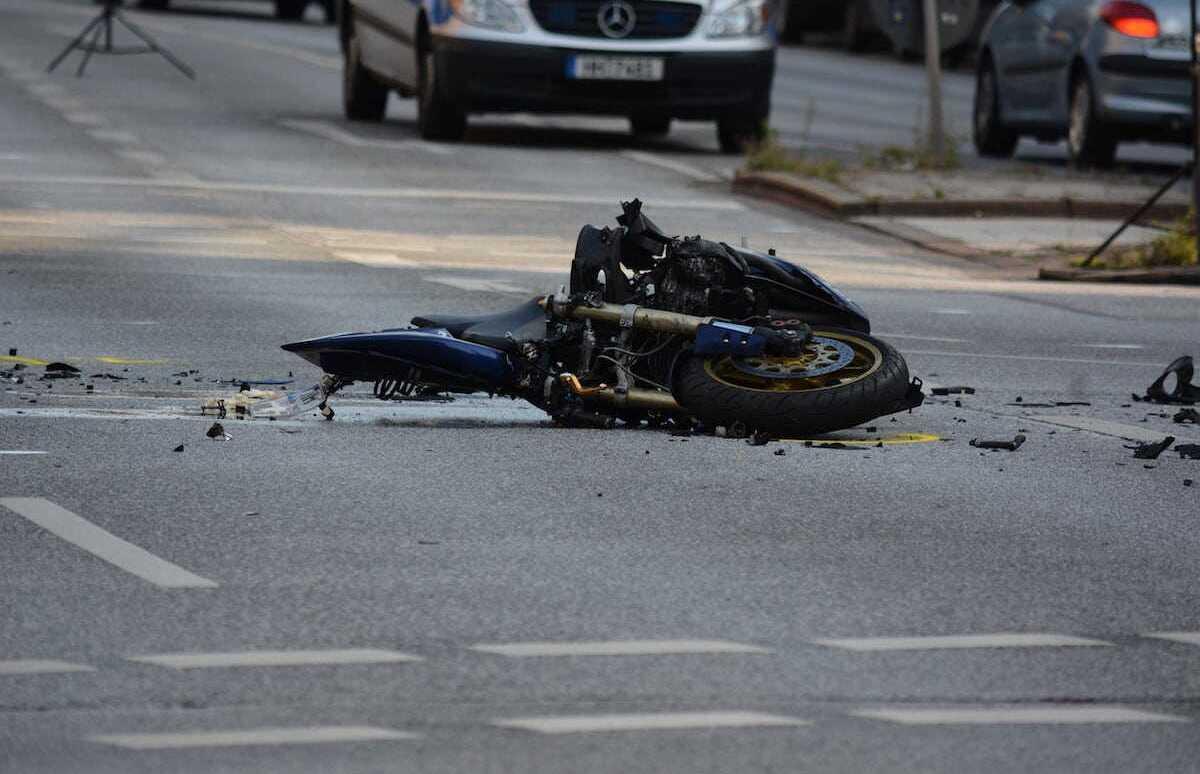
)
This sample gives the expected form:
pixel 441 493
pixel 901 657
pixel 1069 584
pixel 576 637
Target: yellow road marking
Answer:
pixel 129 361
pixel 29 361
pixel 889 440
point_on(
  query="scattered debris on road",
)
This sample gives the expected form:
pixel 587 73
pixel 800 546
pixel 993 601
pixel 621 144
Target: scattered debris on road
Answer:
pixel 178 448
pixel 1183 392
pixel 248 404
pixel 1187 416
pixel 1011 446
pixel 217 432
pixel 1150 451
pixel 1188 451
pixel 952 390
pixel 60 371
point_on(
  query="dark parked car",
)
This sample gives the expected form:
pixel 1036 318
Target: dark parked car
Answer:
pixel 284 9
pixel 1096 72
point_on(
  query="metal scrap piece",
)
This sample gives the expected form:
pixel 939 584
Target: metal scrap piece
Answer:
pixel 1011 446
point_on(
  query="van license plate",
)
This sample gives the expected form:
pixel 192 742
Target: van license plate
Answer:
pixel 615 68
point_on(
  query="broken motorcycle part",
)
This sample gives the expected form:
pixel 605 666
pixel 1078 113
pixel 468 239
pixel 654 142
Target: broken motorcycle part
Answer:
pixel 1150 451
pixel 1182 391
pixel 1011 446
pixel 217 432
pixel 653 330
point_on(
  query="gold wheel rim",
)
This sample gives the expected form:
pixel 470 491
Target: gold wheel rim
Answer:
pixel 866 361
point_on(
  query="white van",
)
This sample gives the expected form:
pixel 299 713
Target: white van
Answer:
pixel 650 60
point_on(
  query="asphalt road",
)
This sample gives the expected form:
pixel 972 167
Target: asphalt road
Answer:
pixel 460 586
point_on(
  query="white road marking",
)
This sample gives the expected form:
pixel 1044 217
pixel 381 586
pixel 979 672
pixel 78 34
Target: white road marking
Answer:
pixel 687 170
pixel 143 156
pixel 16 156
pixel 477 284
pixel 416 194
pixel 1002 640
pixel 952 311
pixel 272 658
pixel 114 135
pixel 1104 427
pixel 104 545
pixel 1033 358
pixel 20 452
pixel 648 721
pixel 30 666
pixel 337 134
pixel 256 736
pixel 381 259
pixel 616 648
pixel 85 119
pixel 940 339
pixel 1188 638
pixel 1111 346
pixel 1073 714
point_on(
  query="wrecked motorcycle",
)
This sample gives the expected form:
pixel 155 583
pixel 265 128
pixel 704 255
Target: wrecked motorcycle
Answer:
pixel 655 329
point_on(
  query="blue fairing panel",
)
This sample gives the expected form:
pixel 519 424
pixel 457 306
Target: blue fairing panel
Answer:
pixel 812 293
pixel 392 354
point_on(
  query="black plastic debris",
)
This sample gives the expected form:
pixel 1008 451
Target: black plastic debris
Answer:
pixel 1071 403
pixel 952 391
pixel 1188 482
pixel 828 445
pixel 1187 416
pixel 1188 451
pixel 1150 451
pixel 1182 392
pixel 60 371
pixel 781 452
pixel 178 448
pixel 758 438
pixel 1011 446
pixel 217 432
pixel 112 377
pixel 1033 405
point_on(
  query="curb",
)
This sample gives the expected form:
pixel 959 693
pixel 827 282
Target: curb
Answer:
pixel 832 200
pixel 1168 275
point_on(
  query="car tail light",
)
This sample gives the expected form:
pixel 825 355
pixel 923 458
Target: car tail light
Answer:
pixel 1130 18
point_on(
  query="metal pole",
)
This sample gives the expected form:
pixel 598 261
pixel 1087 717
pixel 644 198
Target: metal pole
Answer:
pixel 1195 126
pixel 933 67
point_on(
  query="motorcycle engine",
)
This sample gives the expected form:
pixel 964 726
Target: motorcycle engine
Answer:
pixel 702 277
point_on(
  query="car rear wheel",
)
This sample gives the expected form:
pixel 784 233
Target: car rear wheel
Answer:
pixel 650 126
pixel 992 137
pixel 1089 142
pixel 363 97
pixel 437 117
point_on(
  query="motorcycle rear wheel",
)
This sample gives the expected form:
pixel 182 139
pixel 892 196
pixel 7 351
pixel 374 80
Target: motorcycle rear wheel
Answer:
pixel 844 378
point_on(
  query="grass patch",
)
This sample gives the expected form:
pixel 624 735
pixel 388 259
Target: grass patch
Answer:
pixel 770 156
pixel 1176 247
pixel 920 158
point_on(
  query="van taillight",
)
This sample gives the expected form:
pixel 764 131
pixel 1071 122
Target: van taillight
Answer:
pixel 1129 18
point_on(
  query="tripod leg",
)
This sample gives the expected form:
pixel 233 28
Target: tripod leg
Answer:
pixel 89 50
pixel 74 43
pixel 155 47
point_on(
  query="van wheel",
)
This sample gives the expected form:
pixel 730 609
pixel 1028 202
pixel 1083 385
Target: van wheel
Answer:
pixel 1089 142
pixel 650 126
pixel 437 117
pixel 737 134
pixel 291 10
pixel 363 97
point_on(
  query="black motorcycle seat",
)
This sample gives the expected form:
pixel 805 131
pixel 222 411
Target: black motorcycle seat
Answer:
pixel 504 331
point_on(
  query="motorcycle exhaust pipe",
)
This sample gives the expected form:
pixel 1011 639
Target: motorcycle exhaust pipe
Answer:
pixel 634 397
pixel 629 316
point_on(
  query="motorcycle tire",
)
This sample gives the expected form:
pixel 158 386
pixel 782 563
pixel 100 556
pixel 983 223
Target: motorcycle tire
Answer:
pixel 791 397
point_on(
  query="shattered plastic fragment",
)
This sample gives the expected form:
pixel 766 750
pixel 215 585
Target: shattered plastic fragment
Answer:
pixel 1188 451
pixel 1184 391
pixel 217 432
pixel 1187 416
pixel 60 371
pixel 1011 446
pixel 178 448
pixel 1150 451
pixel 953 391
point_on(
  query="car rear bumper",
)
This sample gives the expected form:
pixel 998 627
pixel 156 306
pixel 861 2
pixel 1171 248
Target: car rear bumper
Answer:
pixel 504 77
pixel 1146 97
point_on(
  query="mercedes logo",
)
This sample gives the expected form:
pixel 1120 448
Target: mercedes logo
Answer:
pixel 616 18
